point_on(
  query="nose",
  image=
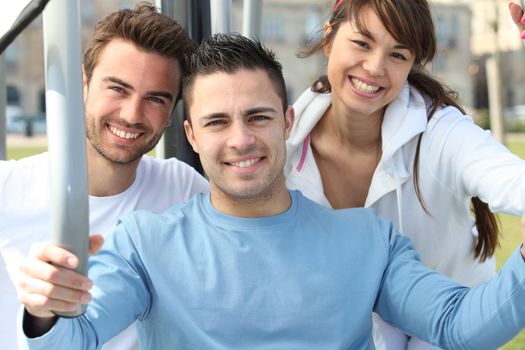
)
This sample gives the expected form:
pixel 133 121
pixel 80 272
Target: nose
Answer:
pixel 375 64
pixel 241 137
pixel 132 110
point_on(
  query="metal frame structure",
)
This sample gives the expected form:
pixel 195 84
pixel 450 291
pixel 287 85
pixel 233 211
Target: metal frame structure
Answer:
pixel 64 105
pixel 66 135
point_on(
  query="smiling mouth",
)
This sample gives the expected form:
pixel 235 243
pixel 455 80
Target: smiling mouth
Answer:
pixel 364 87
pixel 245 163
pixel 123 134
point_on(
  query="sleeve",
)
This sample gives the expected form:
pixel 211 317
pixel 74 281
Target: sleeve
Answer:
pixel 467 160
pixel 120 296
pixel 428 305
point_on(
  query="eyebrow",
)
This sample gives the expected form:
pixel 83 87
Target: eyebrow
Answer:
pixel 257 110
pixel 118 81
pixel 246 113
pixel 371 37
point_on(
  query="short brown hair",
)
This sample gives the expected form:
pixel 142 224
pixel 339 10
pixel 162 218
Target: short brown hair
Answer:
pixel 145 27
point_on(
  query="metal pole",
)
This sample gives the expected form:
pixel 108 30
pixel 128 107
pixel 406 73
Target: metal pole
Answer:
pixel 66 135
pixel 3 107
pixel 497 123
pixel 221 16
pixel 251 18
pixel 194 16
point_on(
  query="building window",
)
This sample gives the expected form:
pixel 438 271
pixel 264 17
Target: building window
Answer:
pixel 13 96
pixel 42 101
pixel 446 31
pixel 272 29
pixel 11 56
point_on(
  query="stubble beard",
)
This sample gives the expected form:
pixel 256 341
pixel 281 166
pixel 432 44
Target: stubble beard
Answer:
pixel 260 191
pixel 119 155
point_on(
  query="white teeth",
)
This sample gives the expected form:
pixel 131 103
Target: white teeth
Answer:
pixel 245 163
pixel 123 134
pixel 360 85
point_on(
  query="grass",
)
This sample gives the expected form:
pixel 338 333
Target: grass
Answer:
pixel 20 152
pixel 510 225
pixel 510 239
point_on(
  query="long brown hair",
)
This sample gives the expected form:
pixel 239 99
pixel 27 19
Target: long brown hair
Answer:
pixel 410 23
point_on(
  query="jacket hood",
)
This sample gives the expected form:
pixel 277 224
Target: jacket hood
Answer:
pixel 405 117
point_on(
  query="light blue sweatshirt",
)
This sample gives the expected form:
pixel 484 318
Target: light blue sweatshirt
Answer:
pixel 308 278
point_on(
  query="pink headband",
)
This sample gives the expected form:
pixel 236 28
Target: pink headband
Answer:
pixel 337 4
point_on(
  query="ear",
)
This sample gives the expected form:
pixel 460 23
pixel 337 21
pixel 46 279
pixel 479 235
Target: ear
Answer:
pixel 289 117
pixel 190 136
pixel 84 83
pixel 327 48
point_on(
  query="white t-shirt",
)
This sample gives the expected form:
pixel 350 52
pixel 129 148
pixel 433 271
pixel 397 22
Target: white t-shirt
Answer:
pixel 25 218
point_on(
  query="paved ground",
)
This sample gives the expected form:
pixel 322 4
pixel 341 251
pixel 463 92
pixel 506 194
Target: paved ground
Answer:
pixel 21 140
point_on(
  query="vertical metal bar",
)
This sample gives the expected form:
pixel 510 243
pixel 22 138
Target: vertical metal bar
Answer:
pixel 66 135
pixel 165 148
pixel 198 17
pixel 3 107
pixel 251 18
pixel 497 123
pixel 221 16
pixel 194 16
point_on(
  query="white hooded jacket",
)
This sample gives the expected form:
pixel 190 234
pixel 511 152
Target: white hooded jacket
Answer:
pixel 458 160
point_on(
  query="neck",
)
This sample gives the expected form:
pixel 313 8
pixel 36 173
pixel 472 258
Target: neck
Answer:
pixel 347 129
pixel 271 202
pixel 106 178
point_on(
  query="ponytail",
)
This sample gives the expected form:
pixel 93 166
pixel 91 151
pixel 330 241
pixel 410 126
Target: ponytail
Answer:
pixel 486 222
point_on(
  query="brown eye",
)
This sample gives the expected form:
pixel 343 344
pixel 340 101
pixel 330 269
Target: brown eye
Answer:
pixel 360 43
pixel 399 56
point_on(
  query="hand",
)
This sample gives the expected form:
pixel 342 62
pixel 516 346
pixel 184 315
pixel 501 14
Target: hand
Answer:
pixel 516 12
pixel 47 284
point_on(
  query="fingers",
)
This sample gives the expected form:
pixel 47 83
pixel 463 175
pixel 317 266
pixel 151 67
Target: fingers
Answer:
pixel 42 270
pixel 518 17
pixel 46 283
pixel 95 243
pixel 51 253
pixel 42 299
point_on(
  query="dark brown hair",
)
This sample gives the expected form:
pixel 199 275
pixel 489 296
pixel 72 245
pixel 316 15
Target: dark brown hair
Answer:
pixel 229 53
pixel 410 23
pixel 145 27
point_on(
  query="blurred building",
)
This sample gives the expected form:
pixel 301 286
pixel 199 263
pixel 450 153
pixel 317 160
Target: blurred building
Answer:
pixel 493 33
pixel 24 58
pixel 286 27
pixel 464 28
pixel 452 64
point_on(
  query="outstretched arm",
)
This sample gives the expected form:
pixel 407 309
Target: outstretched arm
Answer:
pixel 426 304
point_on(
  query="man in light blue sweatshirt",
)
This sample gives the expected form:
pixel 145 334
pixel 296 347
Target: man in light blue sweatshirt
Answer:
pixel 252 265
